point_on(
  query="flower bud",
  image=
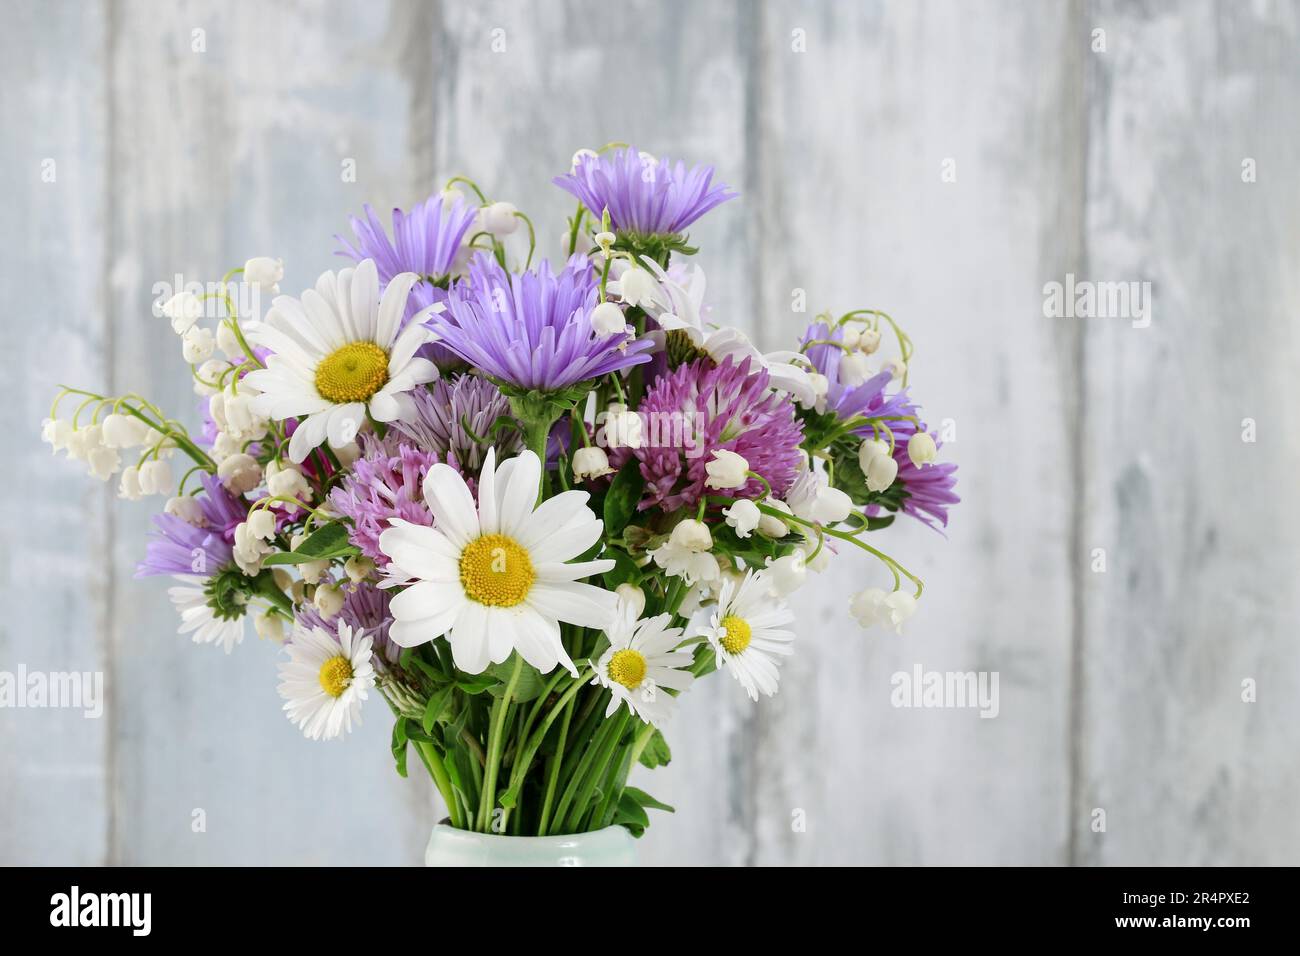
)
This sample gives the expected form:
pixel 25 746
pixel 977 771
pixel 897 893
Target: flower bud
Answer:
pixel 57 433
pixel 922 449
pixel 622 427
pixel 124 431
pixel 261 524
pixel 692 535
pixel 498 219
pixel 184 309
pixel 328 600
pixel 881 472
pixel 632 597
pixel 240 473
pixel 103 462
pixel 227 341
pixel 770 526
pixel 590 463
pixel 870 449
pixel 727 470
pixel 744 516
pixel 854 369
pixel 868 340
pixel 209 372
pixel 265 272
pixel 896 368
pixel 269 626
pixel 358 568
pixel 637 287
pixel 311 571
pixel 607 319
pixel 129 485
pixel 188 509
pixel 156 477
pixel 787 573
pixel 868 606
pixel 197 345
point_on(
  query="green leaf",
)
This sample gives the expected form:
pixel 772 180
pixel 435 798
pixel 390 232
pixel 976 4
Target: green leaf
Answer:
pixel 656 753
pixel 622 497
pixel 324 544
pixel 644 799
pixel 437 704
pixel 477 683
pixel 530 682
pixel 399 745
pixel 629 814
pixel 623 571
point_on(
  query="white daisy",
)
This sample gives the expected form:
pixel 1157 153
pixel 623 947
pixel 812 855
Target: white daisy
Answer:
pixel 494 578
pixel 641 660
pixel 190 599
pixel 338 355
pixel 325 680
pixel 746 630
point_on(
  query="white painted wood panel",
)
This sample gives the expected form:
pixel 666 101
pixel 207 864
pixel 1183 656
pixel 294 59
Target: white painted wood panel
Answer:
pixel 1119 690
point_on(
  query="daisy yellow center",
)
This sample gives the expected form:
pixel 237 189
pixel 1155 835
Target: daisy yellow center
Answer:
pixel 496 570
pixel 735 634
pixel 352 373
pixel 627 667
pixel 335 675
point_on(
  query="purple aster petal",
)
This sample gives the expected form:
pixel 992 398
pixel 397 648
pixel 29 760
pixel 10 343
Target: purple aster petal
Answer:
pixel 177 547
pixel 643 196
pixel 532 329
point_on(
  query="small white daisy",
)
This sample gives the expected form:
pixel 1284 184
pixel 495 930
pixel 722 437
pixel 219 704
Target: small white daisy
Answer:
pixel 494 578
pixel 746 629
pixel 325 680
pixel 641 660
pixel 190 599
pixel 337 355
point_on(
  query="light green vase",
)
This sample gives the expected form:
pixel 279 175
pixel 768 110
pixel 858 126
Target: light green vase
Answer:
pixel 612 846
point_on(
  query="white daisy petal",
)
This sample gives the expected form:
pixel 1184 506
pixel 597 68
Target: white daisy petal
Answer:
pixel 448 497
pixel 392 307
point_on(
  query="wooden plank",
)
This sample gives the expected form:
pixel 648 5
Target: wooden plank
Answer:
pixel 513 119
pixel 53 583
pixel 852 139
pixel 1201 537
pixel 221 154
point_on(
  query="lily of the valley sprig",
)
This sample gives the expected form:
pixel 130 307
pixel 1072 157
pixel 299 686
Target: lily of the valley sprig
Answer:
pixel 527 503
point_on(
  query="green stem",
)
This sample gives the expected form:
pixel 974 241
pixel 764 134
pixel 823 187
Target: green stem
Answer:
pixel 433 762
pixel 487 800
pixel 612 734
pixel 553 768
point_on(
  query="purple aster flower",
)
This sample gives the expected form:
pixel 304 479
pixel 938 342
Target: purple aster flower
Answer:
pixel 532 330
pixel 928 488
pixel 726 408
pixel 384 483
pixel 644 196
pixel 441 413
pixel 425 241
pixel 365 607
pixel 925 492
pixel 867 399
pixel 178 547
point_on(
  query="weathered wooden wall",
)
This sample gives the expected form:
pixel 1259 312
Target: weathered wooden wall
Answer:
pixel 1120 690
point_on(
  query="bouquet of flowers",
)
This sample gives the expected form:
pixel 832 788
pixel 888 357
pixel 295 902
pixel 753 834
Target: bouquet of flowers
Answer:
pixel 526 505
